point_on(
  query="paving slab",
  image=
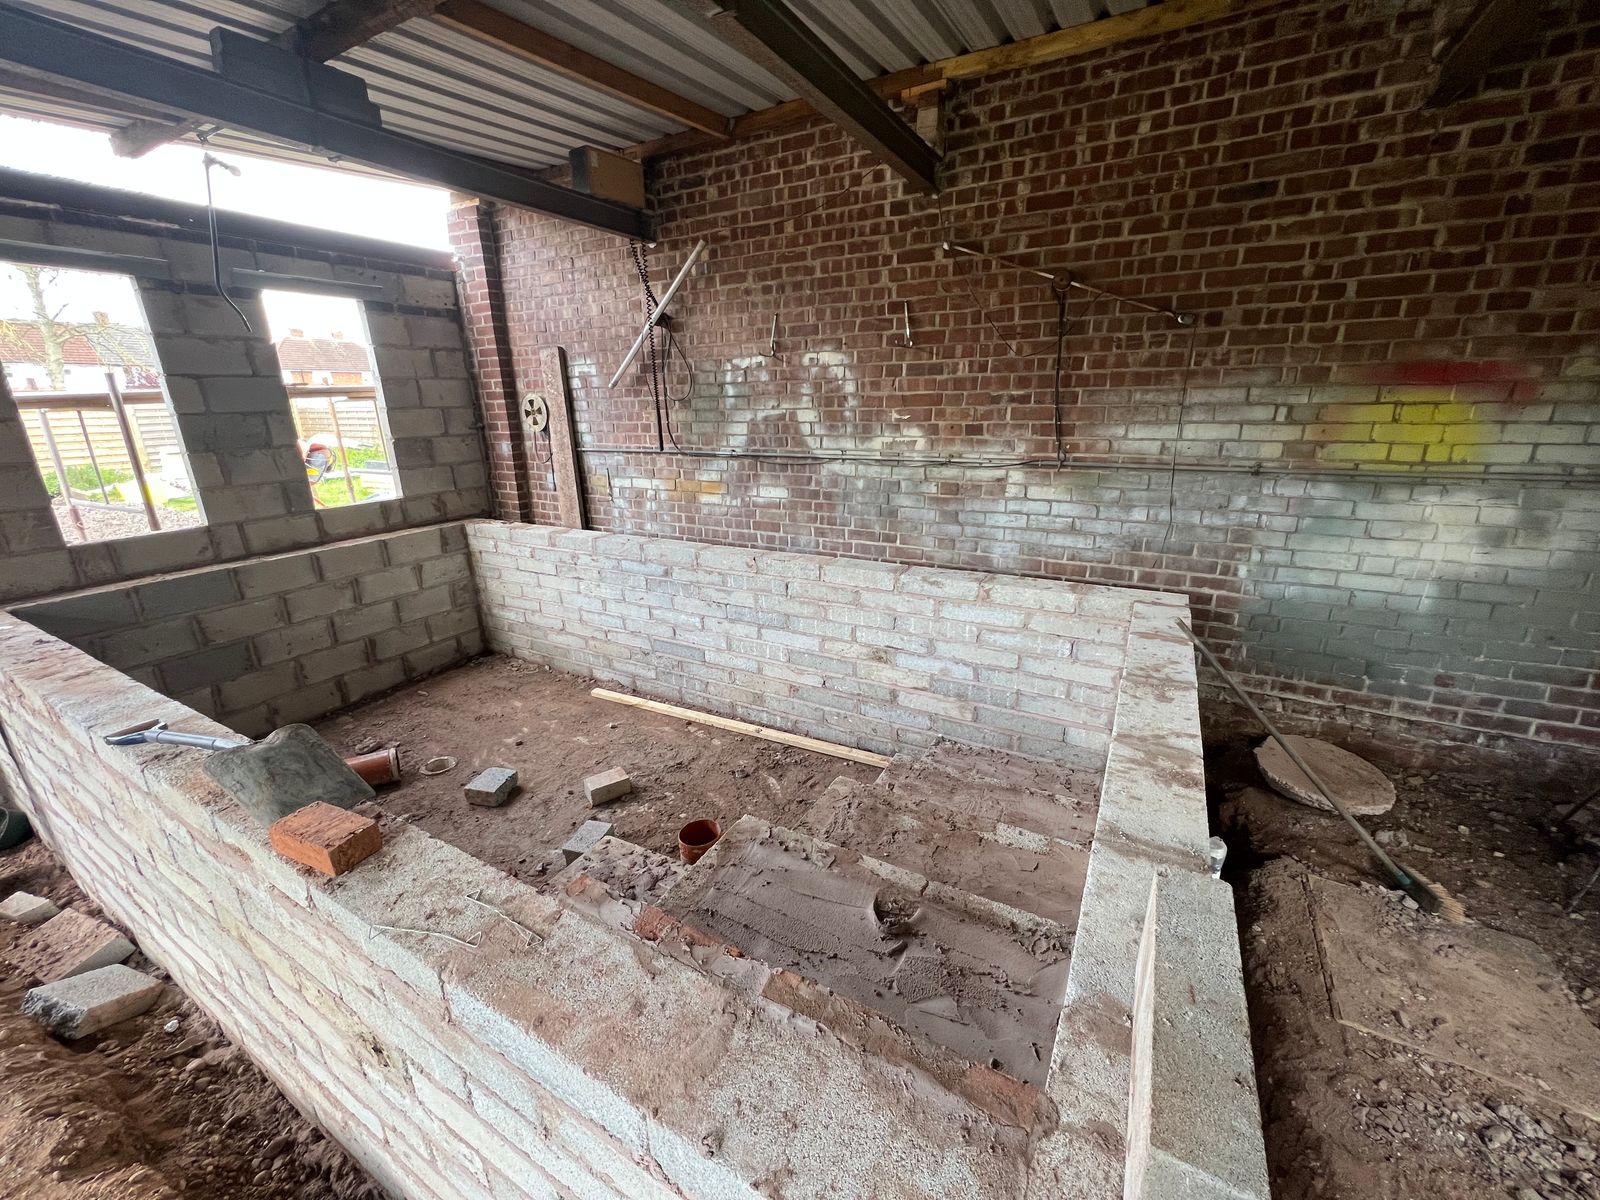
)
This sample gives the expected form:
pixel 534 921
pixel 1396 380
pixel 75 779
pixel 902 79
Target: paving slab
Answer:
pixel 68 944
pixel 92 1001
pixel 27 909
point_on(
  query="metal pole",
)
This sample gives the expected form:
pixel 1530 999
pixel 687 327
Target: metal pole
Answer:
pixel 1401 876
pixel 133 453
pixel 1065 279
pixel 660 309
pixel 344 455
pixel 88 443
pixel 61 472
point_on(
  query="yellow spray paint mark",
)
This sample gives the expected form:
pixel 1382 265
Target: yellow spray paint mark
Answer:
pixel 1405 425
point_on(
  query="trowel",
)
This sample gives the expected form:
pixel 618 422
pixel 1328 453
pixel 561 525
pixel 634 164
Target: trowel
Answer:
pixel 271 778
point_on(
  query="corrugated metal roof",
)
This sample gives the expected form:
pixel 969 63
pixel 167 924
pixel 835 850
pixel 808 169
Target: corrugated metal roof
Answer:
pixel 449 88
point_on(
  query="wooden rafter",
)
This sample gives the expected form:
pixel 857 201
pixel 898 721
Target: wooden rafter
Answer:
pixel 494 28
pixel 1030 52
pixel 336 27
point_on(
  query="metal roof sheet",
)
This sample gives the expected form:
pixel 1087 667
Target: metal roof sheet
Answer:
pixel 446 87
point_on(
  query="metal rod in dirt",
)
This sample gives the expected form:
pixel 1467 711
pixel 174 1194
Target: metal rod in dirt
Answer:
pixel 660 309
pixel 121 411
pixel 1404 877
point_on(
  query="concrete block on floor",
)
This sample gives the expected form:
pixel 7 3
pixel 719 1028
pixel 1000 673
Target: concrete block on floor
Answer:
pixel 69 944
pixel 585 839
pixel 27 909
pixel 491 787
pixel 326 839
pixel 92 1001
pixel 607 786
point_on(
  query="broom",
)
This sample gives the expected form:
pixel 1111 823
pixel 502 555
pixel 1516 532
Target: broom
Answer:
pixel 1430 897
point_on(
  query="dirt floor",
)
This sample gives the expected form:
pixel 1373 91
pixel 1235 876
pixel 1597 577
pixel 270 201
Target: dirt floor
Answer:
pixel 138 1112
pixel 1352 1113
pixel 502 712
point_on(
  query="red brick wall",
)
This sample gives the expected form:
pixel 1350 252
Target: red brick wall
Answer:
pixel 1387 439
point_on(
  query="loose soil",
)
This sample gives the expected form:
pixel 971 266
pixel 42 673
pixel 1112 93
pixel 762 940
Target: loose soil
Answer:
pixel 136 1112
pixel 502 712
pixel 1349 1114
pixel 104 524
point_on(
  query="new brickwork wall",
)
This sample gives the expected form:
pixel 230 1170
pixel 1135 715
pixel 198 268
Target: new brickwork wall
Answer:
pixel 877 655
pixel 468 1039
pixel 285 638
pixel 1386 502
pixel 227 393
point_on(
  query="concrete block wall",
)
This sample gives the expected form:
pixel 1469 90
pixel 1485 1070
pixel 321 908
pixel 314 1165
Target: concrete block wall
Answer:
pixel 286 637
pixel 559 1053
pixel 876 655
pixel 228 399
pixel 1385 504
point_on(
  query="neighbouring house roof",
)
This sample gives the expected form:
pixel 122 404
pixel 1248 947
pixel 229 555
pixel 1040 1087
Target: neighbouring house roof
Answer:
pixel 323 354
pixel 22 341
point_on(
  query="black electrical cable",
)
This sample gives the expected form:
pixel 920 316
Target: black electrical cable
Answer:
pixel 1061 341
pixel 216 242
pixel 1172 468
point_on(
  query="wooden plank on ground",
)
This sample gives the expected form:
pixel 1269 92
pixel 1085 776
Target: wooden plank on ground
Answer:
pixel 563 443
pixel 832 749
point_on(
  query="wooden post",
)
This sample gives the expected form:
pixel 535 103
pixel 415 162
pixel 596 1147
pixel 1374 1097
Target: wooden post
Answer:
pixel 563 439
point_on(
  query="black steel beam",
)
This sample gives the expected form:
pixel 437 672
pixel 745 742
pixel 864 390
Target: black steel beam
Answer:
pixel 56 51
pixel 1483 42
pixel 770 33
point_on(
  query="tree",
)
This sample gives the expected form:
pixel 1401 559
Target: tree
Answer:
pixel 52 332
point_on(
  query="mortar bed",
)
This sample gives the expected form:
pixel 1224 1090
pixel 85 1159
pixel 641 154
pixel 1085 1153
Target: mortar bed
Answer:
pixel 1004 838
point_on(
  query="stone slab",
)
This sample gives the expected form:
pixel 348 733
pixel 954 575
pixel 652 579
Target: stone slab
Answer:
pixel 27 909
pixel 1354 782
pixel 92 1001
pixel 491 787
pixel 607 786
pixel 585 839
pixel 1487 1001
pixel 68 944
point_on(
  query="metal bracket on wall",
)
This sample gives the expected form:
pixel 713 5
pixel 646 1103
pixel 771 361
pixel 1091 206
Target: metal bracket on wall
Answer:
pixel 1065 279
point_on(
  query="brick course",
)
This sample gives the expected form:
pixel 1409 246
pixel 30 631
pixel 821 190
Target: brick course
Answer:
pixel 1385 503
pixel 882 658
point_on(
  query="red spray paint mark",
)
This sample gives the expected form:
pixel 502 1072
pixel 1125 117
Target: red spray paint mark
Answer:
pixel 1429 373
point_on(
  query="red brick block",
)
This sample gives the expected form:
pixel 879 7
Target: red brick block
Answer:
pixel 325 838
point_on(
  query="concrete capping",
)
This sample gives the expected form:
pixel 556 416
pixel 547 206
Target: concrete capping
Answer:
pixel 1197 1124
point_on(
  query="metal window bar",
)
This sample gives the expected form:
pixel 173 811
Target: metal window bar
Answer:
pixel 61 473
pixel 94 459
pixel 121 411
pixel 116 401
